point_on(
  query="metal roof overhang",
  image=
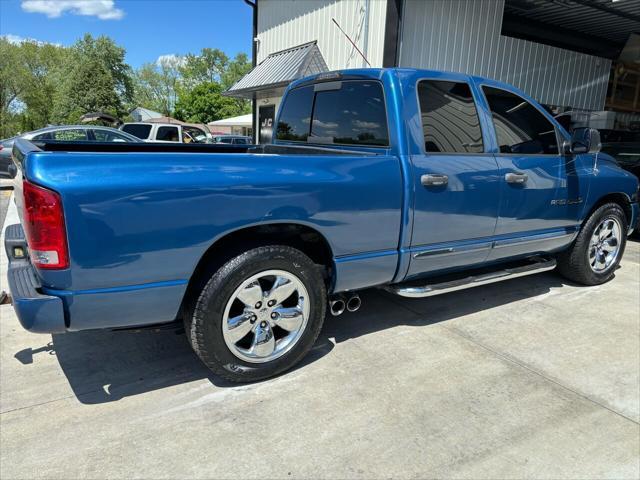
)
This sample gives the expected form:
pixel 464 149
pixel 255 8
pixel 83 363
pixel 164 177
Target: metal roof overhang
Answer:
pixel 595 27
pixel 279 69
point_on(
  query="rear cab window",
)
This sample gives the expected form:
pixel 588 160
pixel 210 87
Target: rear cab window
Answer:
pixel 350 112
pixel 139 130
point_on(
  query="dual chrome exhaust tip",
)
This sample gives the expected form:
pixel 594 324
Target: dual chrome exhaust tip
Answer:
pixel 339 303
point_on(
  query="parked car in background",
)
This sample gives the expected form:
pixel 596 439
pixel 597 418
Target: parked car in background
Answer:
pixel 627 154
pixel 233 139
pixel 166 132
pixel 66 133
pixel 415 181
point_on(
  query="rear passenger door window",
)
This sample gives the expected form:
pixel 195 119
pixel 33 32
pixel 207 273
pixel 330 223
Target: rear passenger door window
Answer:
pixel 520 127
pixel 450 120
pixel 106 136
pixel 168 134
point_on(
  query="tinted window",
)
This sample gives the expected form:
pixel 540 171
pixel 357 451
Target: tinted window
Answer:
pixel 354 114
pixel 43 136
pixel 520 127
pixel 139 130
pixel 107 136
pixel 296 115
pixel 168 134
pixel 449 118
pixel 242 141
pixel 224 140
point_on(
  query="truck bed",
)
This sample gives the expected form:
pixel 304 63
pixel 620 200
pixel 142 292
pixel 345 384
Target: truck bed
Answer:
pixel 143 147
pixel 140 217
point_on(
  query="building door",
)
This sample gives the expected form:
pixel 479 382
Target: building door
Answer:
pixel 266 114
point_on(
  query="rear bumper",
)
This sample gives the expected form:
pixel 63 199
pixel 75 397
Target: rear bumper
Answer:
pixel 45 310
pixel 36 312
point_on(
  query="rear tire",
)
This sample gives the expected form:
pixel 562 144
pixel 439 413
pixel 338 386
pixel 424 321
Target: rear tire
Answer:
pixel 243 328
pixel 595 255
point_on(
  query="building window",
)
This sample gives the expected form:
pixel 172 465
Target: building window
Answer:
pixel 520 127
pixel 449 118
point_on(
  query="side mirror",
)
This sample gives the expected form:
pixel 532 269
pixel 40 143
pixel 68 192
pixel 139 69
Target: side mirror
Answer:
pixel 585 140
pixel 11 172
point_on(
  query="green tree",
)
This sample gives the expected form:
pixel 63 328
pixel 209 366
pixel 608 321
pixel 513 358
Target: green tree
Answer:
pixel 45 66
pixel 96 79
pixel 11 76
pixel 214 66
pixel 236 69
pixel 209 66
pixel 156 86
pixel 29 75
pixel 204 103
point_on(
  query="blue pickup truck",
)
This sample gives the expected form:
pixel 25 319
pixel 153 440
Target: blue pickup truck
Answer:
pixel 415 181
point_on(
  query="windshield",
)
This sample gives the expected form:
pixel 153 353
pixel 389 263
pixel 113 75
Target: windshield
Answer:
pixel 193 135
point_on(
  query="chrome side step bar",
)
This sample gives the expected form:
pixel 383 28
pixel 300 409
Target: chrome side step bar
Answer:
pixel 538 266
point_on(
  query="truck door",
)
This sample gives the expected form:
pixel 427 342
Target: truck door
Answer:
pixel 541 189
pixel 456 181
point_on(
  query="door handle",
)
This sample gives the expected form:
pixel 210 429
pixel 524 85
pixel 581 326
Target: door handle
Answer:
pixel 434 180
pixel 519 178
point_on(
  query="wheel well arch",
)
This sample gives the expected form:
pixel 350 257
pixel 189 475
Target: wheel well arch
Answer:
pixel 619 198
pixel 302 237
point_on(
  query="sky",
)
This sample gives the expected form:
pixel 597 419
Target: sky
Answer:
pixel 147 29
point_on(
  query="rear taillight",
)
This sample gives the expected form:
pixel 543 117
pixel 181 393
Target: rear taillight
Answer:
pixel 44 227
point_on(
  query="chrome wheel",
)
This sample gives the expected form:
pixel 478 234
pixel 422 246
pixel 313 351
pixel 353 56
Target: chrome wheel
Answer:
pixel 265 316
pixel 604 246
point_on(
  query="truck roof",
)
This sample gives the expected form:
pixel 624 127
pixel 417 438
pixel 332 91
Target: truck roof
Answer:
pixel 378 73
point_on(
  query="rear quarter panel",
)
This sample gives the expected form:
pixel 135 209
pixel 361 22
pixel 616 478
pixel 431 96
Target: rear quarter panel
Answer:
pixel 140 218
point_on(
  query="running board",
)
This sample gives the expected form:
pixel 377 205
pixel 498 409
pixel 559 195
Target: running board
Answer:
pixel 539 265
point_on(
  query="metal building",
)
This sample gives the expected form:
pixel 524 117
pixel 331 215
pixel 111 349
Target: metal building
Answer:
pixel 560 52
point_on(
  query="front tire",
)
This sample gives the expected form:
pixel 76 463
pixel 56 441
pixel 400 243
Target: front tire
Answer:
pixel 259 314
pixel 594 256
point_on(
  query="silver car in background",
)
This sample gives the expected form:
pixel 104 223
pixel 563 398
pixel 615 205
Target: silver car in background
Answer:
pixel 66 133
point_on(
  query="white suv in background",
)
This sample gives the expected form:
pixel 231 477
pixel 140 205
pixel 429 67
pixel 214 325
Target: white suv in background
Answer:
pixel 167 132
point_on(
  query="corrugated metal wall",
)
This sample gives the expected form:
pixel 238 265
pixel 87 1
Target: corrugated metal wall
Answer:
pixel 464 36
pixel 286 23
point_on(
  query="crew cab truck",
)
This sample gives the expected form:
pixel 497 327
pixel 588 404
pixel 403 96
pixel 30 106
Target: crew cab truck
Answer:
pixel 419 182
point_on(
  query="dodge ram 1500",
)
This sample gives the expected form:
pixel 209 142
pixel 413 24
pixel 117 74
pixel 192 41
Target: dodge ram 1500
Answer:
pixel 419 182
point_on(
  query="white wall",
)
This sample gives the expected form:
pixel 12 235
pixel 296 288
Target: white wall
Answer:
pixel 287 23
pixel 464 36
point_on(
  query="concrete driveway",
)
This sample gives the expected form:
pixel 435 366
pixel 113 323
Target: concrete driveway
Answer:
pixel 530 378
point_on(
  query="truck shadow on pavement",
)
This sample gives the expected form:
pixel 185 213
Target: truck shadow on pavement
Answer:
pixel 105 366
